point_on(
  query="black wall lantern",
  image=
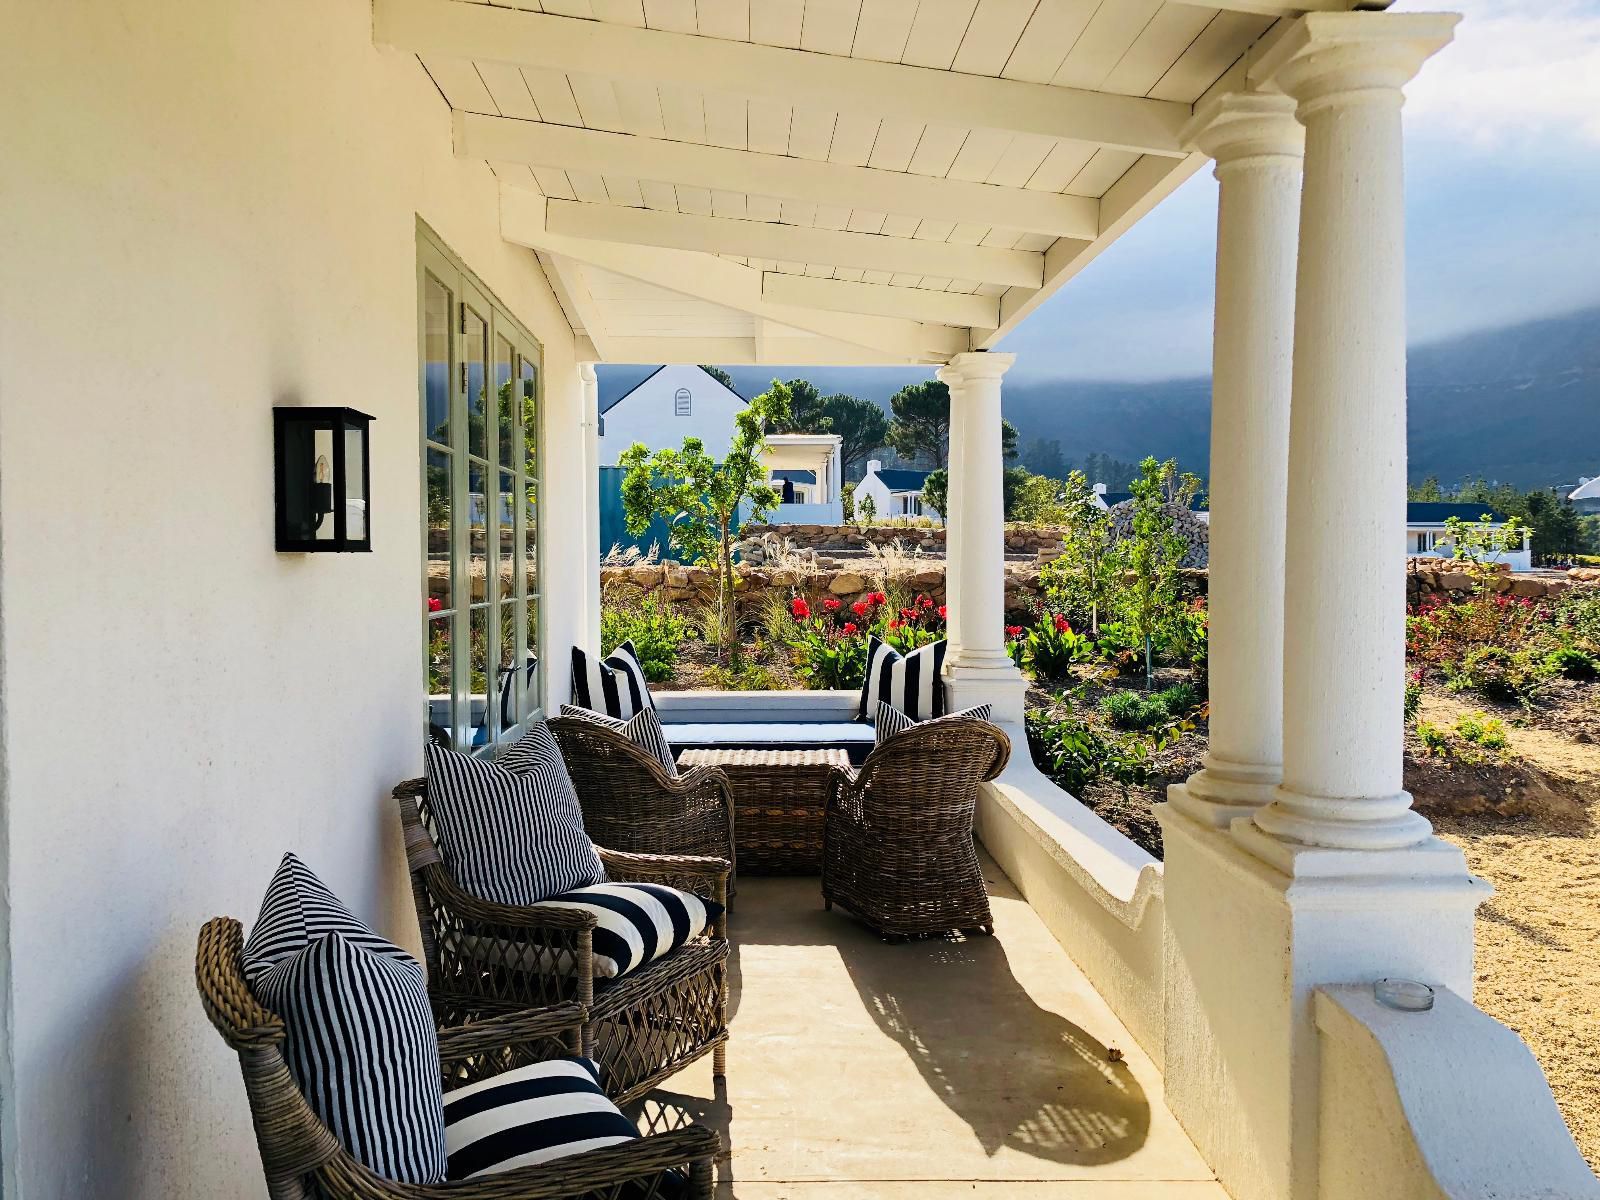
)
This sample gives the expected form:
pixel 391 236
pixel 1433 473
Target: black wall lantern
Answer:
pixel 324 477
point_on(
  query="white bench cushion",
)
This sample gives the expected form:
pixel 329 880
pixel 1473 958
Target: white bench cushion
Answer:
pixel 795 735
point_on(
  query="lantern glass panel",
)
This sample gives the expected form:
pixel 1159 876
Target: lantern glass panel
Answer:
pixel 355 484
pixel 327 528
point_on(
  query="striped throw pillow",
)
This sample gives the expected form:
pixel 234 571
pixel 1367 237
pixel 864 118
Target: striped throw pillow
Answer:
pixel 530 1115
pixel 360 1043
pixel 511 831
pixel 638 922
pixel 643 729
pixel 297 910
pixel 892 721
pixel 613 685
pixel 908 682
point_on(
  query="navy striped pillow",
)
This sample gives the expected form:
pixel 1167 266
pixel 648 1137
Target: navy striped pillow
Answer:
pixel 361 1045
pixel 530 1115
pixel 638 922
pixel 614 685
pixel 643 729
pixel 513 836
pixel 297 910
pixel 908 682
pixel 892 721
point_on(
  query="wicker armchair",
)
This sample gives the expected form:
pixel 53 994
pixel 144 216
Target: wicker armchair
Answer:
pixel 631 803
pixel 485 959
pixel 897 845
pixel 302 1159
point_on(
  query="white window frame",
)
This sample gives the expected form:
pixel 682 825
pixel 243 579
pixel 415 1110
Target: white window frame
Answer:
pixel 473 717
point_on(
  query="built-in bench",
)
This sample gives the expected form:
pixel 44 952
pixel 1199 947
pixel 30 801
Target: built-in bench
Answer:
pixel 776 720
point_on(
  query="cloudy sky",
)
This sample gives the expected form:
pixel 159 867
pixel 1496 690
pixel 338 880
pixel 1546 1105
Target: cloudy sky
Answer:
pixel 1503 208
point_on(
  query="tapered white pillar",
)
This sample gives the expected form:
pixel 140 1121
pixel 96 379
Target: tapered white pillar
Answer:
pixel 1344 631
pixel 950 376
pixel 591 509
pixel 1335 881
pixel 1257 144
pixel 978 669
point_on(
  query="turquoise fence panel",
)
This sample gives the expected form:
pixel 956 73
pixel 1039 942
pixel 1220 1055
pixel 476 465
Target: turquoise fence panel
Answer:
pixel 614 525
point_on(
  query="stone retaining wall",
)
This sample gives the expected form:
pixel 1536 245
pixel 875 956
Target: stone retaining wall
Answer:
pixel 1442 578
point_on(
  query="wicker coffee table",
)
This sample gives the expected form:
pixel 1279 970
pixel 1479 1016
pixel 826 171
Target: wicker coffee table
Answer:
pixel 778 802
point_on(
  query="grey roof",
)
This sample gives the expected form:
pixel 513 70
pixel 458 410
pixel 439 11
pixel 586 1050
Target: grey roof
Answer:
pixel 1196 503
pixel 1428 512
pixel 796 476
pixel 897 479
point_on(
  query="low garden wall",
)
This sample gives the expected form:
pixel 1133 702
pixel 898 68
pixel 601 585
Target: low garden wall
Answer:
pixel 1440 578
pixel 855 540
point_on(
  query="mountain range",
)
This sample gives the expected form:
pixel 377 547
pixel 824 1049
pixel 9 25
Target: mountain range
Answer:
pixel 1518 404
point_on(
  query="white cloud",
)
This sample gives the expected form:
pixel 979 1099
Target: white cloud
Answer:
pixel 1517 68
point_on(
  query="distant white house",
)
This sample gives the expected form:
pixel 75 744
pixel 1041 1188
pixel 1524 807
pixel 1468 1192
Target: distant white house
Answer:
pixel 670 404
pixel 805 469
pixel 1426 536
pixel 1586 496
pixel 1107 500
pixel 895 492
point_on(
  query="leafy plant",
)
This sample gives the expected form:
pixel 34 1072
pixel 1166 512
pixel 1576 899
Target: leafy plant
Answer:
pixel 1413 699
pixel 1433 738
pixel 1498 675
pixel 1178 699
pixel 656 630
pixel 1082 578
pixel 1051 647
pixel 1485 732
pixel 1133 710
pixel 1074 754
pixel 702 497
pixel 1572 663
pixel 1119 645
pixel 1152 553
pixel 747 676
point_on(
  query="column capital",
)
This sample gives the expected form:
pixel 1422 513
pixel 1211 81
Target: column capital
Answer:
pixel 1327 55
pixel 586 372
pixel 1246 126
pixel 976 364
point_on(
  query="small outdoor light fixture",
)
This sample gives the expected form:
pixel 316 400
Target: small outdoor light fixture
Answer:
pixel 324 474
pixel 1407 995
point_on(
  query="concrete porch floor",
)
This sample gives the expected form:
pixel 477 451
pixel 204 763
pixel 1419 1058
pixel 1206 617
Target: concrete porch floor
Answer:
pixel 928 1069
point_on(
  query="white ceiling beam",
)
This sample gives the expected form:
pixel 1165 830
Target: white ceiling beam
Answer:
pixel 740 351
pixel 496 34
pixel 882 300
pixel 572 291
pixel 773 175
pixel 706 277
pixel 1143 186
pixel 793 243
pixel 1283 8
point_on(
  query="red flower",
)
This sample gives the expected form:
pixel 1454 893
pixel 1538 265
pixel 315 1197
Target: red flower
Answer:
pixel 1013 631
pixel 924 602
pixel 435 604
pixel 878 598
pixel 860 608
pixel 850 627
pixel 908 614
pixel 799 609
pixel 893 624
pixel 1062 624
pixel 944 611
pixel 831 604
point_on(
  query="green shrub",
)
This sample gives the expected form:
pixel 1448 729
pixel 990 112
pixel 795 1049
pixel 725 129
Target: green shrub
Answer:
pixel 1572 663
pixel 1119 645
pixel 1179 699
pixel 1052 646
pixel 1434 739
pixel 1413 700
pixel 746 677
pixel 1485 732
pixel 1075 754
pixel 1133 710
pixel 656 629
pixel 1498 675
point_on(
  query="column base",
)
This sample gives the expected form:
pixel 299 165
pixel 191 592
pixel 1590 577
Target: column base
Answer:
pixel 1251 931
pixel 1000 685
pixel 1362 823
pixel 1221 790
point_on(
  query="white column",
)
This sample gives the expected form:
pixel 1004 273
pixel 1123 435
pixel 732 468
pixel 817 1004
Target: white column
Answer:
pixel 1257 145
pixel 978 669
pixel 591 507
pixel 950 376
pixel 1344 630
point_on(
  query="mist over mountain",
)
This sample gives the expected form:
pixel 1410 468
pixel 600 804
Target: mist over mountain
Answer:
pixel 1518 404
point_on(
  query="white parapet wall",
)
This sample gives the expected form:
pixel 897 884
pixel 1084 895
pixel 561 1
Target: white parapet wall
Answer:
pixel 1446 1103
pixel 1097 892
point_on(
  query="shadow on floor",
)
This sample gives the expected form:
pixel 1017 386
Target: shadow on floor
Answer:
pixel 1020 1075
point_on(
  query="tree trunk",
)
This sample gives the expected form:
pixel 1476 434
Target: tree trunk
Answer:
pixel 730 628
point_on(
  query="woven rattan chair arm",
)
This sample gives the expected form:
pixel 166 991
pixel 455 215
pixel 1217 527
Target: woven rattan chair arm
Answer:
pixel 241 1019
pixel 641 868
pixel 512 1029
pixel 486 912
pixel 709 779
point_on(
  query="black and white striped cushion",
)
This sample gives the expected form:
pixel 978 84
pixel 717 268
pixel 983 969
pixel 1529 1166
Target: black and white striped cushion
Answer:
pixel 643 729
pixel 530 1115
pixel 613 685
pixel 297 910
pixel 361 1045
pixel 638 922
pixel 892 721
pixel 511 831
pixel 908 682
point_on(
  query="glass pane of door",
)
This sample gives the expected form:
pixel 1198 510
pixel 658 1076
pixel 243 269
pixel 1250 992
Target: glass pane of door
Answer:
pixel 437 305
pixel 475 354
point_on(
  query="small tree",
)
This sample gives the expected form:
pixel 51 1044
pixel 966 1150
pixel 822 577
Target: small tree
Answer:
pixel 1477 544
pixel 701 497
pixel 936 493
pixel 1084 575
pixel 1151 553
pixel 866 510
pixel 860 424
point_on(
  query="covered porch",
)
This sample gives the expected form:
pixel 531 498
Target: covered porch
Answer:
pixel 422 207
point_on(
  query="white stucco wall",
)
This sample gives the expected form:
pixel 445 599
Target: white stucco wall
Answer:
pixel 647 415
pixel 210 208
